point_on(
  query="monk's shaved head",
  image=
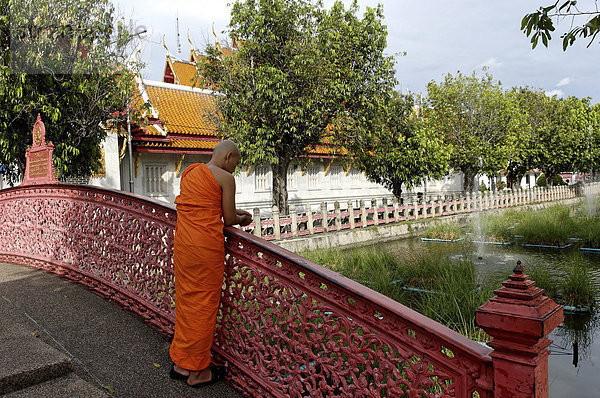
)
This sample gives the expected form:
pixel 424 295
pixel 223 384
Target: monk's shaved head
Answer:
pixel 226 156
pixel 224 147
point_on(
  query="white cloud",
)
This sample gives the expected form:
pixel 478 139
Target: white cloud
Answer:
pixel 557 92
pixel 564 82
pixel 490 63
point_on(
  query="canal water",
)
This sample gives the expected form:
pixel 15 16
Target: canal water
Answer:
pixel 573 372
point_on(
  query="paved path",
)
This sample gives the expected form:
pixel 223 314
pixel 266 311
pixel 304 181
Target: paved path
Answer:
pixel 61 340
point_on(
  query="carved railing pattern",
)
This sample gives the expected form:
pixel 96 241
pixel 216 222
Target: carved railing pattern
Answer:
pixel 287 327
pixel 303 330
pixel 116 244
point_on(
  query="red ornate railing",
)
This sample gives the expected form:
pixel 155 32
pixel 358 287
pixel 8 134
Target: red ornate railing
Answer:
pixel 286 326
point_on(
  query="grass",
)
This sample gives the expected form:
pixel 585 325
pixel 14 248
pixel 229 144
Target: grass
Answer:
pixel 571 282
pixel 494 228
pixel 551 226
pixel 578 285
pixel 443 231
pixel 456 291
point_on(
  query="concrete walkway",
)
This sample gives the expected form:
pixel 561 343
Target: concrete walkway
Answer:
pixel 60 340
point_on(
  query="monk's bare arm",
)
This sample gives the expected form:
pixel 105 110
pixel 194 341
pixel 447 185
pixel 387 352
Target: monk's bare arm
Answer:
pixel 231 216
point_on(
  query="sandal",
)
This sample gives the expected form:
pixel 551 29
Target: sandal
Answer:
pixel 217 373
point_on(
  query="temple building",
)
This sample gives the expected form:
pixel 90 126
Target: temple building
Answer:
pixel 177 129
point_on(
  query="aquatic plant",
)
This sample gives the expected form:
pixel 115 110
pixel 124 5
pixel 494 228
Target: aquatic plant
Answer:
pixel 578 285
pixel 447 291
pixel 588 230
pixel 551 226
pixel 443 231
pixel 543 279
pixel 458 294
pixel 495 227
pixel 367 265
pixel 569 282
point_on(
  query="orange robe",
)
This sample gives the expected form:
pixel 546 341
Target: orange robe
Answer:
pixel 199 258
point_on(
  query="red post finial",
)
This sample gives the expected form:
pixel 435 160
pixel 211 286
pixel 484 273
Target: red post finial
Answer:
pixel 519 318
pixel 519 268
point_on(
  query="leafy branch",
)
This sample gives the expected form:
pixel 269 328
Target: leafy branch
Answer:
pixel 539 25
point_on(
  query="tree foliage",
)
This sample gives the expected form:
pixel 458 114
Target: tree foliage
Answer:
pixel 477 120
pixel 65 60
pixel 401 149
pixel 558 134
pixel 584 24
pixel 302 75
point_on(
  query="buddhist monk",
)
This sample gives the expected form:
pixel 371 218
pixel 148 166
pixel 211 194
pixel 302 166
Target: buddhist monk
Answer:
pixel 206 203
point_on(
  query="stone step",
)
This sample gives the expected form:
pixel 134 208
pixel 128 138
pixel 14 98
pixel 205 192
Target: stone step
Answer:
pixel 26 360
pixel 63 387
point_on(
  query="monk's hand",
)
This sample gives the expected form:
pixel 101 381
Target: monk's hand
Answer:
pixel 241 212
pixel 244 217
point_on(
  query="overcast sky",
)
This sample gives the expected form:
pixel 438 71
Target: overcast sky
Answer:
pixel 439 37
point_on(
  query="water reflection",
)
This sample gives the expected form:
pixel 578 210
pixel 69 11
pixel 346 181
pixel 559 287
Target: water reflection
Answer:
pixel 572 375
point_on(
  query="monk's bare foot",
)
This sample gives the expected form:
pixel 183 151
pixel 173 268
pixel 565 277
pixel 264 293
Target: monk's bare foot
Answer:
pixel 201 376
pixel 181 370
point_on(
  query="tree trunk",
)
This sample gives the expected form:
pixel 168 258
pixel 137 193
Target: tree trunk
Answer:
pixel 549 174
pixel 492 180
pixel 280 194
pixel 513 179
pixel 397 188
pixel 468 177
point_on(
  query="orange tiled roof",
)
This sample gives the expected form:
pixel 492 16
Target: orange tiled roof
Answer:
pixel 152 130
pixel 183 110
pixel 327 150
pixel 185 115
pixel 184 72
pixel 180 144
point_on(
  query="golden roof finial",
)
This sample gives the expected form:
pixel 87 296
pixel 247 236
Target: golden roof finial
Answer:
pixel 192 48
pixel 165 45
pixel 190 41
pixel 217 44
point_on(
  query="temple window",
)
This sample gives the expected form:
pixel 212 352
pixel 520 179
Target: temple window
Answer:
pixel 313 177
pixel 154 179
pixel 261 179
pixel 292 183
pixel 335 173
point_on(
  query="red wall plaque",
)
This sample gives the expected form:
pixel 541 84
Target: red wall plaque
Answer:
pixel 39 168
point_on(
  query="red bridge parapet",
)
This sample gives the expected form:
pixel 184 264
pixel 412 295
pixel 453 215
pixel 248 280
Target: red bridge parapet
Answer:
pixel 287 327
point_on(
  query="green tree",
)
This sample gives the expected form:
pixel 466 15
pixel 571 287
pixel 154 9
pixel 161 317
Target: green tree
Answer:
pixel 67 61
pixel 557 133
pixel 532 107
pixel 594 140
pixel 401 148
pixel 584 23
pixel 302 76
pixel 477 120
pixel 586 127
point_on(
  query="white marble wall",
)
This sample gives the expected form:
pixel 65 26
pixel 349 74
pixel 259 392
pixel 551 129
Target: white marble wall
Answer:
pixel 254 185
pixel 111 156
